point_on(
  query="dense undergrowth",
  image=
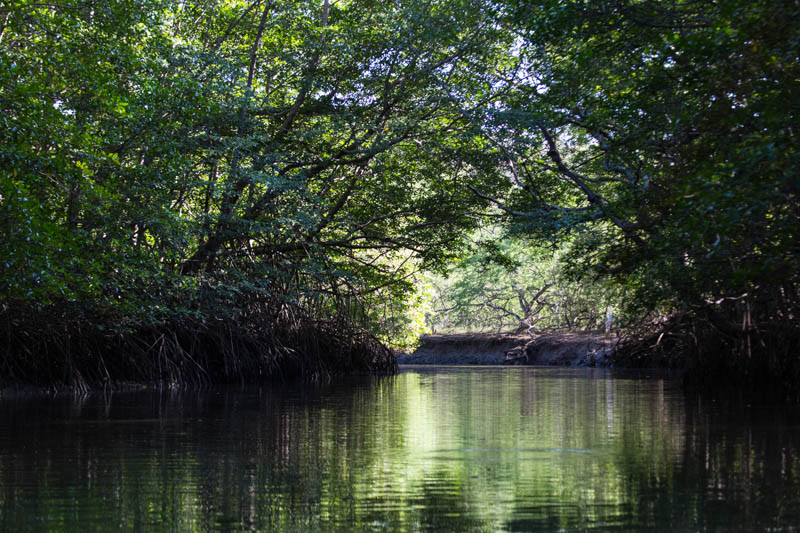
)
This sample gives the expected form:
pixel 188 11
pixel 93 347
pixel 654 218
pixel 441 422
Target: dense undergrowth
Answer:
pixel 62 348
pixel 738 348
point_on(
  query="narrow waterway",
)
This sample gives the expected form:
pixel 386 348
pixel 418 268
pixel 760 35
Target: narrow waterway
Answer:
pixel 458 449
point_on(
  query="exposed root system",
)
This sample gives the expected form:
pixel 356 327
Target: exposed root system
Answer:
pixel 721 348
pixel 52 350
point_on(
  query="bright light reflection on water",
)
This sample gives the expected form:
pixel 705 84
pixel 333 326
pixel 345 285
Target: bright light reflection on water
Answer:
pixel 469 449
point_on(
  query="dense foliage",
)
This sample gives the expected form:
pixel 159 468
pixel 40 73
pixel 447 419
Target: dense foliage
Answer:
pixel 665 136
pixel 211 166
pixel 170 162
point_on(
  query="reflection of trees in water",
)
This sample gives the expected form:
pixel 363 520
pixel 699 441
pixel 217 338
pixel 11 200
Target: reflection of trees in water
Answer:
pixel 742 461
pixel 738 467
pixel 510 450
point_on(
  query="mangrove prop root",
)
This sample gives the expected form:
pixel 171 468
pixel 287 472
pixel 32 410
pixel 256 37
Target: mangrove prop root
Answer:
pixel 51 350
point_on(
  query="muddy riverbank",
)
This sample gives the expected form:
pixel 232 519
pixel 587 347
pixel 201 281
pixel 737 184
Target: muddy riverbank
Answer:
pixel 558 349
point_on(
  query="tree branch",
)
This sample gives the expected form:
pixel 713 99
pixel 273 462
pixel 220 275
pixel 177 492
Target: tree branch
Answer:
pixel 580 182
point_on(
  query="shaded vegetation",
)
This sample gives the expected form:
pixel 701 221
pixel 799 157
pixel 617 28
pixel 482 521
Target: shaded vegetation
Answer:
pixel 246 179
pixel 81 353
pixel 675 128
pixel 230 173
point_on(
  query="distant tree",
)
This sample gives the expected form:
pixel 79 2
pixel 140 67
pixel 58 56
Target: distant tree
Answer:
pixel 507 285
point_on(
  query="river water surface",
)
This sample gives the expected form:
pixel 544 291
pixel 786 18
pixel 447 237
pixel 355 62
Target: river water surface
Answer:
pixel 458 449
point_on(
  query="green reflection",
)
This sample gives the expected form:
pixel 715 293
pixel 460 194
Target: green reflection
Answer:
pixel 455 450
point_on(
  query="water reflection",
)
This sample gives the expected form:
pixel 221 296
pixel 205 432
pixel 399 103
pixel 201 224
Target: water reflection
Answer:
pixel 447 450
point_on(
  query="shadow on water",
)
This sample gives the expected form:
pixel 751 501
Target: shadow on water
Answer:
pixel 447 450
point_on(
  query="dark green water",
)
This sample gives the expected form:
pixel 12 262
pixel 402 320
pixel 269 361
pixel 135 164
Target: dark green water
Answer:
pixel 499 449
